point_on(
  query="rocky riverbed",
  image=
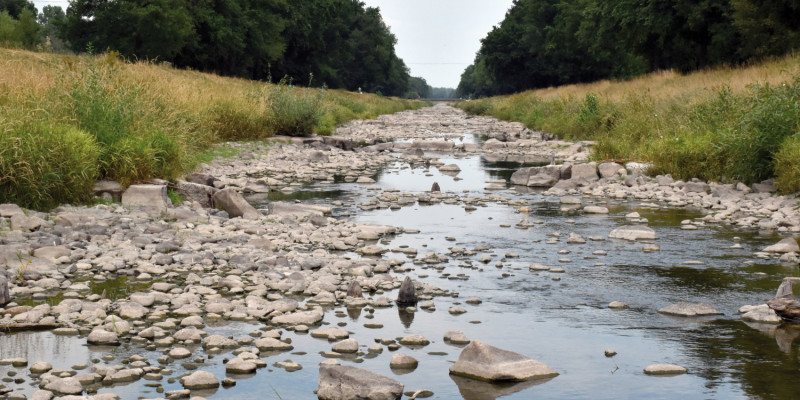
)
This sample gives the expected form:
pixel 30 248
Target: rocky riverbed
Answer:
pixel 525 246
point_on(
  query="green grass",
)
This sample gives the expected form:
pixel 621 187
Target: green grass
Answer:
pixel 66 121
pixel 713 125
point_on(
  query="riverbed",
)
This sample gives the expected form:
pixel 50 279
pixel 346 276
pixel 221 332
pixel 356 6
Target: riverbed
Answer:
pixel 473 245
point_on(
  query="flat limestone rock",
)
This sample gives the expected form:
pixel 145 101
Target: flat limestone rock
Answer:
pixel 633 232
pixel 337 382
pixel 664 369
pixel 488 363
pixel 685 309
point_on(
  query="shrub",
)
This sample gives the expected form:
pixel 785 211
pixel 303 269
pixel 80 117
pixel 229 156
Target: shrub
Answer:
pixel 296 111
pixel 787 165
pixel 43 165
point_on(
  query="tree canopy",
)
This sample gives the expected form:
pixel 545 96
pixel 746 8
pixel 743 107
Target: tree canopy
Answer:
pixel 336 43
pixel 543 43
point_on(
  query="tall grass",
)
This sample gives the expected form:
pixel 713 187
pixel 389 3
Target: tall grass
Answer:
pixel 725 124
pixel 66 121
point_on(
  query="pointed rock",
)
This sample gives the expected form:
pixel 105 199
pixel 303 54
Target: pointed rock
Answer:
pixel 435 187
pixel 354 290
pixel 488 363
pixel 407 293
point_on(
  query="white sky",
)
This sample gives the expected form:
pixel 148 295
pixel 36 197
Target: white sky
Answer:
pixel 437 39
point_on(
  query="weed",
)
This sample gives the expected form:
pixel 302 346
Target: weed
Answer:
pixel 175 197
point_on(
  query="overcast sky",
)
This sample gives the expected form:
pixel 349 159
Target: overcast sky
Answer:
pixel 436 38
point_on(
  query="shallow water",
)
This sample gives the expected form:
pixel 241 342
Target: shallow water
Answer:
pixel 561 319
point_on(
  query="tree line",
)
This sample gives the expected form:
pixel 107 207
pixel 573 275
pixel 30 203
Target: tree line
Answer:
pixel 335 43
pixel 543 43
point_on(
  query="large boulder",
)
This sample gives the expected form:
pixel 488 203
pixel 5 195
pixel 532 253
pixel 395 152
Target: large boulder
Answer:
pixel 234 204
pixel 200 380
pixel 609 169
pixel 587 172
pixel 633 232
pixel 488 363
pixel 196 192
pixel 151 199
pixel 545 176
pixel 337 382
pixel 787 245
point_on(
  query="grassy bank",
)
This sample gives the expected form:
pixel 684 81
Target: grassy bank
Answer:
pixel 726 124
pixel 66 121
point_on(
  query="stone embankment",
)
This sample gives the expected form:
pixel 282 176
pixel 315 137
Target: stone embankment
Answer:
pixel 198 264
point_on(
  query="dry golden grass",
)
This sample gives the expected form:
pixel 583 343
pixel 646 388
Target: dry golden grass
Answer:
pixel 146 120
pixel 671 84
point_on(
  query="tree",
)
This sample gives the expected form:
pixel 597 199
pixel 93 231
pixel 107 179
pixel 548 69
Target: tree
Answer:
pixel 148 29
pixel 52 19
pixel 15 7
pixel 418 88
pixel 768 28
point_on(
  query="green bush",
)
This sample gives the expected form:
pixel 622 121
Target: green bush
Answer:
pixel 296 111
pixel 42 165
pixel 787 165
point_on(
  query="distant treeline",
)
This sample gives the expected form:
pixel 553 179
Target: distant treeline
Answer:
pixel 418 88
pixel 543 43
pixel 337 43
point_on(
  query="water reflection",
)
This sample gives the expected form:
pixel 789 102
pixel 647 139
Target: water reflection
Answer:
pixel 472 389
pixel 354 313
pixel 406 317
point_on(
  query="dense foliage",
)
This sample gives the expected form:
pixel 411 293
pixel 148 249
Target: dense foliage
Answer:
pixel 335 43
pixel 543 43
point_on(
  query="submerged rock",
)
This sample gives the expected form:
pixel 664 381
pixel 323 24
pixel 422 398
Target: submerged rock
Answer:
pixel 685 309
pixel 337 382
pixel 488 363
pixel 633 232
pixel 664 369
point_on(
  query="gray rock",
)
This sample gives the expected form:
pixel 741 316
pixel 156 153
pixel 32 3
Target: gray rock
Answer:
pixel 760 313
pixel 337 382
pixel 403 361
pixel 407 293
pixel 234 204
pixel 633 232
pixel 240 366
pixel 9 210
pixel 25 223
pixel 5 295
pixel 300 318
pixel 200 380
pixel 435 187
pixel 103 337
pixel 281 208
pixel 664 369
pixel 200 193
pixel 151 199
pixel 414 340
pixel 111 189
pixel 354 290
pixel 345 346
pixel 696 187
pixel 786 245
pixel 609 169
pixel 272 344
pixel 66 386
pixel 488 363
pixel 456 337
pixel 685 309
pixel 41 367
pixel 587 172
